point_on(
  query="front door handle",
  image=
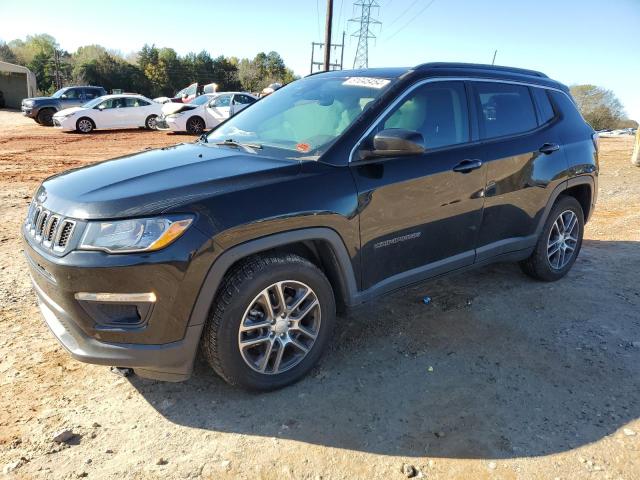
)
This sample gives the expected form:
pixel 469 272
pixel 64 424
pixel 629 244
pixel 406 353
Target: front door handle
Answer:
pixel 549 148
pixel 466 166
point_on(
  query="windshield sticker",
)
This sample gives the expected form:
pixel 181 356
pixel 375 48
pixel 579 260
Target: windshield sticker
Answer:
pixel 370 82
pixel 303 147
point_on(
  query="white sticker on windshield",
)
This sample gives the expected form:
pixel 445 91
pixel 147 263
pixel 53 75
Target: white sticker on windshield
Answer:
pixel 370 82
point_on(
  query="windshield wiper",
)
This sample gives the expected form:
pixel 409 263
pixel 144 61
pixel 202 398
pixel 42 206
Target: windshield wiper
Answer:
pixel 230 142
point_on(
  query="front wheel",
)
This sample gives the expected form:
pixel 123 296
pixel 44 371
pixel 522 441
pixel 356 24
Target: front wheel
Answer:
pixel 272 319
pixel 195 126
pixel 45 117
pixel 151 122
pixel 84 125
pixel 559 242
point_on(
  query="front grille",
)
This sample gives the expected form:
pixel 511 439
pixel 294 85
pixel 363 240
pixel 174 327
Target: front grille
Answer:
pixel 50 230
pixel 65 234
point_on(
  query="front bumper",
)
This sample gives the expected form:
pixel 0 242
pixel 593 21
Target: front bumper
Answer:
pixel 174 124
pixel 28 111
pixel 65 123
pixel 169 362
pixel 163 346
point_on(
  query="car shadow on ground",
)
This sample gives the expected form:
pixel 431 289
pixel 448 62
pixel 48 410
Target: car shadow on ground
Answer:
pixel 496 366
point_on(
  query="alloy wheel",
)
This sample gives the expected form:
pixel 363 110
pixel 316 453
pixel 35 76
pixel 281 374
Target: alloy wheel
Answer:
pixel 85 125
pixel 279 327
pixel 563 239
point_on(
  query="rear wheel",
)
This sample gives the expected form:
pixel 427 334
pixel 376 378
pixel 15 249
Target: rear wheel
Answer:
pixel 150 122
pixel 195 125
pixel 559 243
pixel 45 117
pixel 272 319
pixel 85 125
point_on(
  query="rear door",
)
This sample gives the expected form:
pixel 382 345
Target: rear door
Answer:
pixel 420 215
pixel 240 101
pixel 520 147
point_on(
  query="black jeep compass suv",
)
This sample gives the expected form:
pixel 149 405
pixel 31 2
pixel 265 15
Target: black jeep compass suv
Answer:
pixel 334 189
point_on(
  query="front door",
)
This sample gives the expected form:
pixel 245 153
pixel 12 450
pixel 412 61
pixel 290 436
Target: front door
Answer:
pixel 218 109
pixel 420 214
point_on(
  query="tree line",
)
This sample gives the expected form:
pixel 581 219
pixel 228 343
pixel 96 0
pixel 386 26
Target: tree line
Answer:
pixel 151 71
pixel 601 108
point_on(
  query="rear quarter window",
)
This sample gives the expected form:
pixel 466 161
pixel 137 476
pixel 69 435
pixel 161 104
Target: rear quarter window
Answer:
pixel 545 110
pixel 504 109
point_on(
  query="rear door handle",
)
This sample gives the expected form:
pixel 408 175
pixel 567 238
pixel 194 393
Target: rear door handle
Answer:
pixel 466 166
pixel 549 148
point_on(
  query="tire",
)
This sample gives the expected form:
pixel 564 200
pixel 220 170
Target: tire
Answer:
pixel 240 303
pixel 85 125
pixel 195 125
pixel 45 117
pixel 150 122
pixel 550 261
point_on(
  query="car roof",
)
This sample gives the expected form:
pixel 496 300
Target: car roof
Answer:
pixel 453 69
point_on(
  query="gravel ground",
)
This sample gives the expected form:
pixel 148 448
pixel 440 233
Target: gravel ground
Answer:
pixel 499 377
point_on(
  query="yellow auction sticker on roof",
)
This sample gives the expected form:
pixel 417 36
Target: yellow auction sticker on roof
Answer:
pixel 370 82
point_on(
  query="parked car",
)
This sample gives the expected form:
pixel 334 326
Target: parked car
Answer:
pixel 333 190
pixel 204 112
pixel 42 109
pixel 110 111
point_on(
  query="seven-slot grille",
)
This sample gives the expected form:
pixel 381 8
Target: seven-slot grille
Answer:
pixel 49 229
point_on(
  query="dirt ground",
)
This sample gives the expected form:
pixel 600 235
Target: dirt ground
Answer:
pixel 500 377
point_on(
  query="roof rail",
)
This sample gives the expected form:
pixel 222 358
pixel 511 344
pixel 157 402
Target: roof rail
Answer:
pixel 479 66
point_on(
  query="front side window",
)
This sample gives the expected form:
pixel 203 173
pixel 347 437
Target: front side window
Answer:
pixel 504 109
pixel 73 93
pixel 436 110
pixel 105 104
pixel 305 116
pixel 221 101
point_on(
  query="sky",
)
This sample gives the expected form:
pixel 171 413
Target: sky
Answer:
pixel 573 41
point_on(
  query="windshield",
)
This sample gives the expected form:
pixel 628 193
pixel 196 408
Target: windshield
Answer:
pixel 92 103
pixel 201 100
pixel 306 116
pixel 58 93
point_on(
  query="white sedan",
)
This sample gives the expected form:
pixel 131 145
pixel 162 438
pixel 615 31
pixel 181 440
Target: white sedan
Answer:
pixel 110 111
pixel 203 112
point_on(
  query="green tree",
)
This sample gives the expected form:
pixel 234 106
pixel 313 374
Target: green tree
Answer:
pixel 599 106
pixel 6 54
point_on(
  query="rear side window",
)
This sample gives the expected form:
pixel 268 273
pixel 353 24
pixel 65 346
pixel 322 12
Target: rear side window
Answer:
pixel 504 109
pixel 545 110
pixel 437 110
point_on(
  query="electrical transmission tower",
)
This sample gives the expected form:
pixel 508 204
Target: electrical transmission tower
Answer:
pixel 364 33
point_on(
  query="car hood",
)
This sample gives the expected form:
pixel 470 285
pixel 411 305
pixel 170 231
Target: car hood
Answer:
pixel 172 107
pixel 41 99
pixel 67 111
pixel 158 180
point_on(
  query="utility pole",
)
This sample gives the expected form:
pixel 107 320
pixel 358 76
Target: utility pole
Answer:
pixel 56 66
pixel 364 33
pixel 635 158
pixel 327 35
pixel 319 65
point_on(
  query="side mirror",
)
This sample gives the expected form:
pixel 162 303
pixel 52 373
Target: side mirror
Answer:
pixel 100 107
pixel 395 142
pixel 63 96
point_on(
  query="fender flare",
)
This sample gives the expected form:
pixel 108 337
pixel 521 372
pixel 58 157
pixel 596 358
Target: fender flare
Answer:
pixel 572 182
pixel 221 265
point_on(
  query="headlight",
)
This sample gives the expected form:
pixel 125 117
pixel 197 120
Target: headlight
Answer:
pixel 134 235
pixel 174 115
pixel 28 103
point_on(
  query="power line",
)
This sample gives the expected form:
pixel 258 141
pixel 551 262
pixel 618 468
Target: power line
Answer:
pixel 410 20
pixel 403 13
